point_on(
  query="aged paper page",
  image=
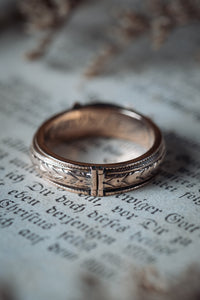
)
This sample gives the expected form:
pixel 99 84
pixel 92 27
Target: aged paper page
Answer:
pixel 51 239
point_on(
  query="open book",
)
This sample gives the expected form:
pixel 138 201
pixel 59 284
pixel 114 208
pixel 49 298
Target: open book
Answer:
pixel 93 252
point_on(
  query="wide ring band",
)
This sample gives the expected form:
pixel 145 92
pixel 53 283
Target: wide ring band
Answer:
pixel 98 120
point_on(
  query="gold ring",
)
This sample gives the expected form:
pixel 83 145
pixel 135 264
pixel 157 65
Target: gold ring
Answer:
pixel 98 120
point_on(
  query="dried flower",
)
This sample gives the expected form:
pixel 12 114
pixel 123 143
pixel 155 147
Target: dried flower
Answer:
pixel 158 20
pixel 46 15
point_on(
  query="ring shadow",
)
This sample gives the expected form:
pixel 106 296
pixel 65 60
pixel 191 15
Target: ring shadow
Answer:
pixel 177 161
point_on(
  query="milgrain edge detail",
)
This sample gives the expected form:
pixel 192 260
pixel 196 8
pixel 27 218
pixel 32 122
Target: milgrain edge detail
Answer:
pixel 99 181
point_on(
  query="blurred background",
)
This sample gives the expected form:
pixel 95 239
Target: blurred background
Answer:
pixel 102 37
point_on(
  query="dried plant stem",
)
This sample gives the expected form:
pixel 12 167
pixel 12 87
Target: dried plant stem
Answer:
pixel 97 65
pixel 48 16
pixel 41 48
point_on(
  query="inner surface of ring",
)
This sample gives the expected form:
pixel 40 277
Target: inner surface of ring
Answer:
pixel 77 134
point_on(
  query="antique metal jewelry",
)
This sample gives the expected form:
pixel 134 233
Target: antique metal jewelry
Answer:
pixel 98 120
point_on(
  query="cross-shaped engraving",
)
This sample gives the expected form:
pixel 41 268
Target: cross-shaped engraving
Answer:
pixel 97 181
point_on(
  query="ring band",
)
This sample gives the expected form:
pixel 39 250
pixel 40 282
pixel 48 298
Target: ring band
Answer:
pixel 98 120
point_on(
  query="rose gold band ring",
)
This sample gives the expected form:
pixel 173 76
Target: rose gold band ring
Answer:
pixel 98 120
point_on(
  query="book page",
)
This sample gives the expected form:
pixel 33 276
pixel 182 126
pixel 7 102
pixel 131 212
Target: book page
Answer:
pixel 53 241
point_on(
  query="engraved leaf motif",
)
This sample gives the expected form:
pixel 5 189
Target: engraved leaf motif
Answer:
pixel 116 180
pixel 63 175
pixel 129 178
